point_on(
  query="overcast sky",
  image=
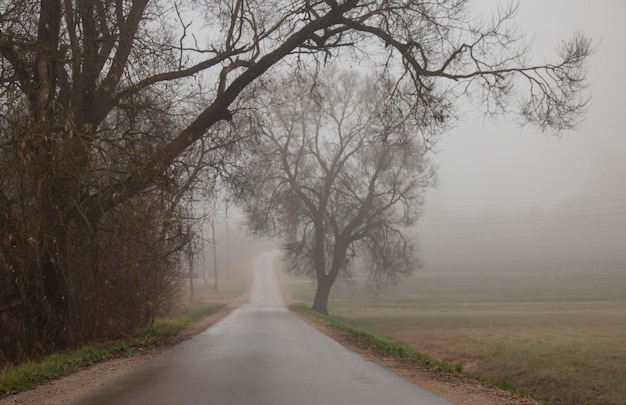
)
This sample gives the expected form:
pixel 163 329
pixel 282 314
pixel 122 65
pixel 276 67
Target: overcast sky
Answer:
pixel 513 199
pixel 485 162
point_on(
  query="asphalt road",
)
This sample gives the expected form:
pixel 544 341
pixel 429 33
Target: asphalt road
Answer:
pixel 261 354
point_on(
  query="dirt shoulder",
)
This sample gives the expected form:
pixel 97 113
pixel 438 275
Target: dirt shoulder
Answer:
pixel 69 388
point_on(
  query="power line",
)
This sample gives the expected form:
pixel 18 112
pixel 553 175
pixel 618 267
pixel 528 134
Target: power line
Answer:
pixel 542 204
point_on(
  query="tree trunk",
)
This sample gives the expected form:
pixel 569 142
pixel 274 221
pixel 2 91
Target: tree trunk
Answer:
pixel 326 280
pixel 320 302
pixel 54 323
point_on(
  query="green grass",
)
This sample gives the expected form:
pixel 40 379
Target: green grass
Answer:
pixel 28 375
pixel 380 343
pixel 563 338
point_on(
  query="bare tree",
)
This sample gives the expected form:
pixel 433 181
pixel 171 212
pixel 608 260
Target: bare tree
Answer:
pixel 338 173
pixel 102 101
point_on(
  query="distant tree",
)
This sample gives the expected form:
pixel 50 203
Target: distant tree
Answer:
pixel 338 172
pixel 104 102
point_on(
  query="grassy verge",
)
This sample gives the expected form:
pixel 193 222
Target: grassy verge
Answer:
pixel 381 344
pixel 28 375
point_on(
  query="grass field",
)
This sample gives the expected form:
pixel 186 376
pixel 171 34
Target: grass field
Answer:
pixel 561 338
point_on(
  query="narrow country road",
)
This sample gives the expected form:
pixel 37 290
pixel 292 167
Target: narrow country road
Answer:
pixel 261 354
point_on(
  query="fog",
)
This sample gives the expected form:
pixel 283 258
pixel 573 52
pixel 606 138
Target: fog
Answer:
pixel 513 199
pixel 232 250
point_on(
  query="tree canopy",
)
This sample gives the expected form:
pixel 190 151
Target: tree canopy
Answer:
pixel 338 173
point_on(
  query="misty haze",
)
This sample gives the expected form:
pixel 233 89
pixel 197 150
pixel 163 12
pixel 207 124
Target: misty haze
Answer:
pixel 295 202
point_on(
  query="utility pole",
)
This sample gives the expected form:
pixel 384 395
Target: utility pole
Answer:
pixel 204 253
pixel 191 278
pixel 214 255
pixel 190 262
pixel 227 245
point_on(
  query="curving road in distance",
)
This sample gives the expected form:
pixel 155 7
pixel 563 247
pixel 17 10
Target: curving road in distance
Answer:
pixel 261 354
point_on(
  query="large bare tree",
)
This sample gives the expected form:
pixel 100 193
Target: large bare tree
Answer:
pixel 338 172
pixel 104 100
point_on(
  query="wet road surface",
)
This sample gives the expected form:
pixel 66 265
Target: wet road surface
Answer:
pixel 261 354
